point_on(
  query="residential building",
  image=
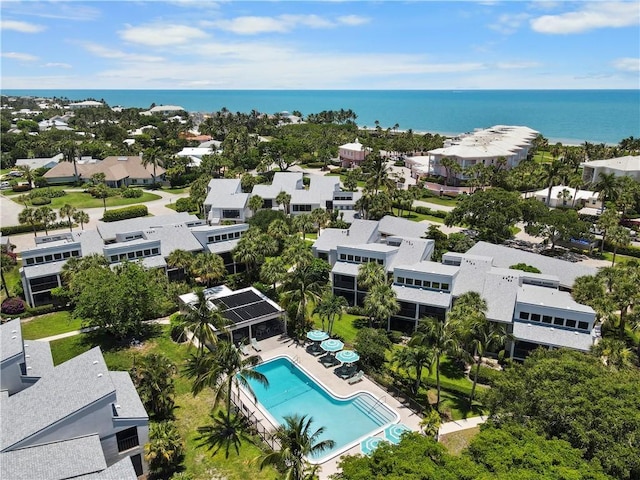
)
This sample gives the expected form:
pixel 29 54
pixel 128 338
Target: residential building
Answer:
pixel 628 166
pixel 352 154
pixel 426 288
pixel 567 197
pixel 118 171
pixel 35 163
pixel 500 145
pixel 73 420
pixel 225 201
pixel 85 104
pixel 149 240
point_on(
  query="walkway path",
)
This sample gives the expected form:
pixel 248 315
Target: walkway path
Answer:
pixel 464 424
pixel 161 321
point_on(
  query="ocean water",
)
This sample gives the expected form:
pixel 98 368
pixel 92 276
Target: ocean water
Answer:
pixel 568 116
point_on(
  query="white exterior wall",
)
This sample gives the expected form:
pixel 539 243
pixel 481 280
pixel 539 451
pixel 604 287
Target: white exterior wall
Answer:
pixel 110 443
pixel 424 276
pixel 10 375
pixel 555 312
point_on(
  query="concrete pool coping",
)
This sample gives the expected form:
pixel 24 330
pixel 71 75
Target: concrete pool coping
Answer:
pixel 283 346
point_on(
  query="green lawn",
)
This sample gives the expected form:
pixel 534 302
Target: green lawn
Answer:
pixel 191 412
pixel 456 442
pixel 444 201
pixel 81 200
pixel 418 217
pixel 50 324
pixel 346 328
pixel 175 190
pixel 12 277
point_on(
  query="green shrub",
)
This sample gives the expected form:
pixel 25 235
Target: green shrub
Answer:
pixel 131 192
pixel 41 310
pixel 186 204
pixel 486 375
pixel 21 188
pixel 525 268
pixel 630 250
pixel 427 211
pixel 111 192
pixel 40 182
pixel 395 336
pixel 26 228
pixel 46 193
pixel 133 211
pixel 40 201
pixel 13 306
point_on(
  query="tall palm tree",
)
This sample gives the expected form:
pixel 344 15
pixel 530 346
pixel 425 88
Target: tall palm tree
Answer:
pixel 607 187
pixel 297 443
pixel 273 271
pixel 165 449
pixel 208 268
pixel 417 358
pixel 371 274
pixel 46 216
pixel 255 203
pixel 70 154
pixel 153 377
pixel 330 308
pixel 283 198
pixel 441 336
pixel 28 216
pixel 180 259
pixel 380 304
pixel 619 237
pixel 279 229
pixel 81 217
pixel 607 221
pixel 152 155
pixel 296 252
pixel 201 321
pixel 68 211
pixel 552 174
pixel 320 218
pixel 303 223
pixel 301 288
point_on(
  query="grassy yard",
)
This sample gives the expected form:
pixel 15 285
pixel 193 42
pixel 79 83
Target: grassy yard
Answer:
pixel 12 277
pixel 444 201
pixel 418 217
pixel 50 324
pixel 175 190
pixel 346 328
pixel 191 412
pixel 456 442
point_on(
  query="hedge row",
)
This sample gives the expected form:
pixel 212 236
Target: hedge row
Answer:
pixel 26 228
pixel 133 211
pixel 131 192
pixel 427 211
pixel 186 204
pixel 630 250
pixel 40 201
pixel 46 193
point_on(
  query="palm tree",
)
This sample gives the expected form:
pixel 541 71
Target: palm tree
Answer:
pixel 381 304
pixel 297 443
pixel 607 187
pixel 180 259
pixel 28 216
pixel 441 336
pixel 283 198
pixel 81 217
pixel 102 191
pixel 165 449
pixel 303 223
pixel 208 268
pixel 613 353
pixel 255 203
pixel 430 424
pixel 273 270
pixel 619 237
pixel 330 308
pixel 320 218
pixel 152 155
pixel 417 358
pixel 606 221
pixel 296 252
pixel 225 431
pixel 153 377
pixel 68 211
pixel 371 274
pixel 70 154
pixel 552 174
pixel 302 287
pixel 46 216
pixel 201 321
pixel 279 229
pixel 28 174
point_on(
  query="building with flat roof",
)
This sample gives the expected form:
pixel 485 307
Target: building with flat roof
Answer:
pixel 72 420
pixel 352 154
pixel 628 166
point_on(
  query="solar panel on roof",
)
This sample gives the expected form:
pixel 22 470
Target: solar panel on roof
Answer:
pixel 238 299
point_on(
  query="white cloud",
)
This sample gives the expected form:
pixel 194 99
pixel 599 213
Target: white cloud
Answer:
pixel 22 27
pixel 627 64
pixel 24 57
pixel 508 23
pixel 56 65
pixel 591 16
pixel 516 65
pixel 59 10
pixel 254 25
pixel 160 35
pixel 105 52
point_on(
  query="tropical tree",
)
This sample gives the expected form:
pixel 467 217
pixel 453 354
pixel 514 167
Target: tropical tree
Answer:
pixel 165 450
pixel 283 198
pixel 618 237
pixel 414 358
pixel 102 191
pixel 553 172
pixel 296 252
pixel 606 221
pixel 153 156
pixel 273 271
pixel 371 274
pixel 27 172
pixel 320 218
pixel 303 223
pixel 297 442
pixel 439 335
pixel 180 259
pixel 380 304
pixel 607 188
pixel 255 203
pixel 68 211
pixel 208 268
pixel 279 229
pixel 613 352
pixel 70 154
pixel 430 423
pixel 330 308
pixel 28 216
pixel 46 216
pixel 152 375
pixel 202 321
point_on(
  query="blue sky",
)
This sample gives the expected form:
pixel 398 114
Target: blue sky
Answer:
pixel 199 44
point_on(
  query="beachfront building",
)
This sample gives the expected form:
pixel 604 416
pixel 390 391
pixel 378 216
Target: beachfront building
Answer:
pixel 149 240
pixel 85 104
pixel 628 166
pixel 499 146
pixel 420 165
pixel 352 154
pixel 426 288
pixel 74 420
pixel 163 110
pixel 118 171
pixel 249 314
pixel 567 197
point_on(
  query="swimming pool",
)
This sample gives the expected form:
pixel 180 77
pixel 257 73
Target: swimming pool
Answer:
pixel 345 420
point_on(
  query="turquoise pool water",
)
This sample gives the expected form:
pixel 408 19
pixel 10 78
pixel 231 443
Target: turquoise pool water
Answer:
pixel 346 420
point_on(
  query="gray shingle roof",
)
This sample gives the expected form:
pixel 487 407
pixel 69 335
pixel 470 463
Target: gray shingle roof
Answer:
pixel 123 470
pixel 223 247
pixel 70 387
pixel 128 403
pixel 54 461
pixel 51 268
pixel 37 356
pixel 401 227
pixel 346 268
pixel 500 290
pixel 546 335
pixel 424 297
pixel 108 230
pixel 471 276
pixel 412 251
pixel 360 231
pixel 10 339
pixel 549 297
pixel 430 267
pixel 503 256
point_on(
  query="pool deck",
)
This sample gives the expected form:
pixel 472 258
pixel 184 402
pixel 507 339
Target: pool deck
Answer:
pixel 278 346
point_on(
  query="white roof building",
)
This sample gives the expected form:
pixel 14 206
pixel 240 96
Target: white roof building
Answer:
pixel 628 166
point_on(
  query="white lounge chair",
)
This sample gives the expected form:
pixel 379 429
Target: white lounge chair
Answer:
pixel 245 350
pixel 356 378
pixel 254 344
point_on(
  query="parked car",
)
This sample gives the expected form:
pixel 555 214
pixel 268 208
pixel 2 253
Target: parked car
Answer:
pixel 5 185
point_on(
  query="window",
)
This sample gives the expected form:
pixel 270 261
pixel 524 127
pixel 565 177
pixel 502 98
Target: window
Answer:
pixel 535 317
pixel 123 257
pixel 380 262
pixel 127 439
pixel 57 256
pixel 435 285
pixel 444 286
pixel 39 259
pixel 426 284
pixel 357 258
pixel 66 254
pixel 365 259
pixel 48 258
pixel 236 234
pixel 139 254
pixel 350 258
pixel 571 323
pixel 524 316
pixel 114 258
pixel 409 281
pixel 556 321
pixel 155 251
pixel 131 255
pixel 224 237
pixel 30 261
pixel 75 253
pixel 583 325
pixel 230 214
pixel 400 279
pixel 418 283
pixel 147 252
pixel 343 256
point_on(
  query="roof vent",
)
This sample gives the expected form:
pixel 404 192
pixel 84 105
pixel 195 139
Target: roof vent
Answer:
pixel 28 356
pixel 29 368
pixel 99 375
pixel 14 331
pixel 14 337
pixel 95 362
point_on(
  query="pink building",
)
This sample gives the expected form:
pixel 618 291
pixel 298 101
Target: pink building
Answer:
pixel 352 154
